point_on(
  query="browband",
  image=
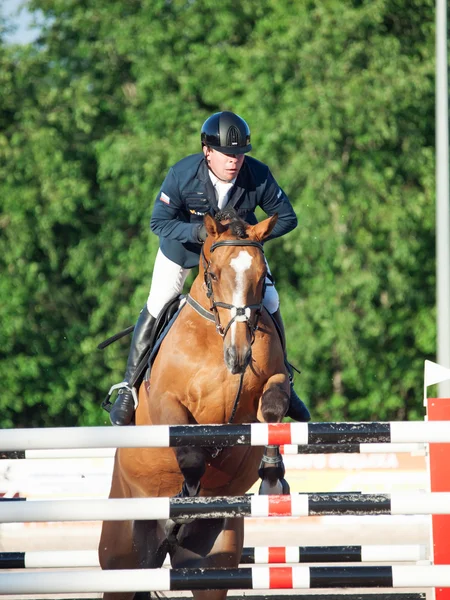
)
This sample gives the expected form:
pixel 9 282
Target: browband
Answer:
pixel 237 243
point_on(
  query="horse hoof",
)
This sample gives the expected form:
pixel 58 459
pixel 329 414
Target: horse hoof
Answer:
pixel 173 526
pixel 171 530
pixel 286 487
pixel 270 488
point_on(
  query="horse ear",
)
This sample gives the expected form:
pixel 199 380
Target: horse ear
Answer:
pixel 213 227
pixel 263 229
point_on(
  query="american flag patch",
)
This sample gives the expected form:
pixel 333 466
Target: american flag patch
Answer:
pixel 164 198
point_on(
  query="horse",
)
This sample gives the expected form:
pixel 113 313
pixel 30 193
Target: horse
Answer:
pixel 221 361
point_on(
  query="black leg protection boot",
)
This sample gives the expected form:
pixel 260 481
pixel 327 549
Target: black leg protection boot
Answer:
pixel 297 409
pixel 123 408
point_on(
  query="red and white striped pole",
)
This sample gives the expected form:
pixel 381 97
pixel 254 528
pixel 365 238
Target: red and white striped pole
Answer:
pixel 438 409
pixel 439 470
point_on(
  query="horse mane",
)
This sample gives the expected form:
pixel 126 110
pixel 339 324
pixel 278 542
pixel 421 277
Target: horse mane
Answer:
pixel 228 216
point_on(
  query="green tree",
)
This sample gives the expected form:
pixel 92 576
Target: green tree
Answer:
pixel 339 96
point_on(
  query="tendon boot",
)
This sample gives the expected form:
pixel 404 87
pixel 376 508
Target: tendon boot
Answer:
pixel 297 409
pixel 123 408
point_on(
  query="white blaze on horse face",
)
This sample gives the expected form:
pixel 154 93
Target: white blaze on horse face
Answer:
pixel 240 264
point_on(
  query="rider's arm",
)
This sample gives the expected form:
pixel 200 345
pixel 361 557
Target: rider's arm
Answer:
pixel 274 200
pixel 169 217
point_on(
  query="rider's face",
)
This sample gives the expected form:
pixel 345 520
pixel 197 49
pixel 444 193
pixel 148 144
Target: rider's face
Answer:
pixel 224 166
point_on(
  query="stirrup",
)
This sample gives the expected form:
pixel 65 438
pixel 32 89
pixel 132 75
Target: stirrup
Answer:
pixel 107 404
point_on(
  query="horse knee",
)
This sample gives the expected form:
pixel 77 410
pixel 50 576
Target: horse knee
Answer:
pixel 116 545
pixel 191 462
pixel 109 560
pixel 274 404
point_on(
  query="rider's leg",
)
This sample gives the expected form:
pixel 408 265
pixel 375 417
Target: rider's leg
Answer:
pixel 123 408
pixel 297 409
pixel 167 283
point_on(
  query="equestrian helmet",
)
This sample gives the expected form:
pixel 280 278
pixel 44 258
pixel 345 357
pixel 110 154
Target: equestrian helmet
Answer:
pixel 226 132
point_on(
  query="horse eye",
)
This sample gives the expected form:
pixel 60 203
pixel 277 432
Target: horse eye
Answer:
pixel 213 276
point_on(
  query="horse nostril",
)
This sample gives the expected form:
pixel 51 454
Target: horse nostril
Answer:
pixel 237 363
pixel 230 357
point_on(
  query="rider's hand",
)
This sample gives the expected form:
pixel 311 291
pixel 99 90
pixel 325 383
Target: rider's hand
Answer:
pixel 201 233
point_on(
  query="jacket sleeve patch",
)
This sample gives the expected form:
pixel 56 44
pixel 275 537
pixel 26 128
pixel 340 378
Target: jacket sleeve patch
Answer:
pixel 164 198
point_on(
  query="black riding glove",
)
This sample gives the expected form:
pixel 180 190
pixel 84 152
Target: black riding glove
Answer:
pixel 201 233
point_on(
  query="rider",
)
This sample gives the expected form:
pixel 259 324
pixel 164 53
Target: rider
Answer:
pixel 221 175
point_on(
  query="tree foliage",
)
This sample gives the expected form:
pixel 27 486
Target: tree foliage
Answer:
pixel 340 100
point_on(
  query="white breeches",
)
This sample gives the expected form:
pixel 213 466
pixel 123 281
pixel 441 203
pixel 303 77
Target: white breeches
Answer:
pixel 168 281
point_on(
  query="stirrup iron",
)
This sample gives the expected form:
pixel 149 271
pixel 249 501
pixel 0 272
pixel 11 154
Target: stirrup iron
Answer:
pixel 107 404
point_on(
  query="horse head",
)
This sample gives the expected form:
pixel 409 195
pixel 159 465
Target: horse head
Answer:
pixel 234 271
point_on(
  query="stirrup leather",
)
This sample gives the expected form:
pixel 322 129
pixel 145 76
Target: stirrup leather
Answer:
pixel 107 405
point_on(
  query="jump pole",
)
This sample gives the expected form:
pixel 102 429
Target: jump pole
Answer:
pixel 254 434
pixel 257 578
pixel 15 510
pixel 287 449
pixel 258 555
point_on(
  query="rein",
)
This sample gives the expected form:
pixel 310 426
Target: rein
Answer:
pixel 238 313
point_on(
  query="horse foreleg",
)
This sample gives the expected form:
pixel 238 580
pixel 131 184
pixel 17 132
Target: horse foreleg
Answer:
pixel 192 465
pixel 272 408
pixel 271 471
pixel 116 552
pixel 115 548
pixel 210 544
pixel 274 400
pixel 210 594
pixel 191 461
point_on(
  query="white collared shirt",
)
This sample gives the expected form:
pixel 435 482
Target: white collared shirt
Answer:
pixel 222 189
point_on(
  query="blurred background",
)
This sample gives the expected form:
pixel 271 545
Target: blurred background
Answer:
pixel 100 97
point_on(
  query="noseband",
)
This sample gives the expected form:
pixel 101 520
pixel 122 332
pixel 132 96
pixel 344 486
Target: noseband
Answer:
pixel 238 313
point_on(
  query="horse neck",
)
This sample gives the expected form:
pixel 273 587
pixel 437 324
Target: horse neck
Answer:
pixel 197 291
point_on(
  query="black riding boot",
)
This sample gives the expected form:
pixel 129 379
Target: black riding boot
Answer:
pixel 123 408
pixel 297 409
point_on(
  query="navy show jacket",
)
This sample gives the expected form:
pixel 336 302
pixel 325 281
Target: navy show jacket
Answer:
pixel 187 194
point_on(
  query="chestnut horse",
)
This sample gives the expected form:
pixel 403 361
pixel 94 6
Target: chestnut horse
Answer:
pixel 221 361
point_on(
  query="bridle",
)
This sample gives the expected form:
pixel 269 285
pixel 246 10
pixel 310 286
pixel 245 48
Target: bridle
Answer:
pixel 238 313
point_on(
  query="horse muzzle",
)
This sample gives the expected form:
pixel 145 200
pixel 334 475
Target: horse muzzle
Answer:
pixel 237 361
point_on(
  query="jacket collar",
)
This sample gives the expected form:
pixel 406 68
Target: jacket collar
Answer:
pixel 236 191
pixel 203 175
pixel 239 186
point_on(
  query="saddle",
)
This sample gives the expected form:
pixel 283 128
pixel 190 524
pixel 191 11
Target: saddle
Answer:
pixel 163 323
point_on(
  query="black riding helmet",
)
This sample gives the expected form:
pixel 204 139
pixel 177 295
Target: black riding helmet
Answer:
pixel 226 132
